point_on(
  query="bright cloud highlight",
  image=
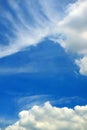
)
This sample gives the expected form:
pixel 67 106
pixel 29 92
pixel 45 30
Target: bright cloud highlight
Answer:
pixel 51 118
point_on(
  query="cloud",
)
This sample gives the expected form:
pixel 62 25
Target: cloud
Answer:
pixel 82 63
pixel 51 118
pixel 74 26
pixel 28 26
pixel 17 70
pixel 29 101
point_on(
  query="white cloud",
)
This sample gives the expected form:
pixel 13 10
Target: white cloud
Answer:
pixel 82 63
pixel 74 26
pixel 51 118
pixel 16 70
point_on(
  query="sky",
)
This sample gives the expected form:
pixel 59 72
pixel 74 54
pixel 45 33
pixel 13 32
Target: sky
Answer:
pixel 43 64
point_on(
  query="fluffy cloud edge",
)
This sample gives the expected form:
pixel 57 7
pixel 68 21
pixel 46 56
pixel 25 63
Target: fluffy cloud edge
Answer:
pixel 82 63
pixel 51 118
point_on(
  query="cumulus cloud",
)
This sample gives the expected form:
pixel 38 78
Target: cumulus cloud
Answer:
pixel 51 118
pixel 74 26
pixel 31 23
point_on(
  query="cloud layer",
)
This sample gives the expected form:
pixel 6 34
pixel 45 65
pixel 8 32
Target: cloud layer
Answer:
pixel 28 23
pixel 51 118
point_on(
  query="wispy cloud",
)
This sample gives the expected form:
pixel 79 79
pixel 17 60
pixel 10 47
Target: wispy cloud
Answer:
pixel 17 70
pixel 25 33
pixel 70 100
pixel 28 101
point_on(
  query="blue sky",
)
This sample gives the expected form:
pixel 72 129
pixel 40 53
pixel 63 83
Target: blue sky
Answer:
pixel 43 57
